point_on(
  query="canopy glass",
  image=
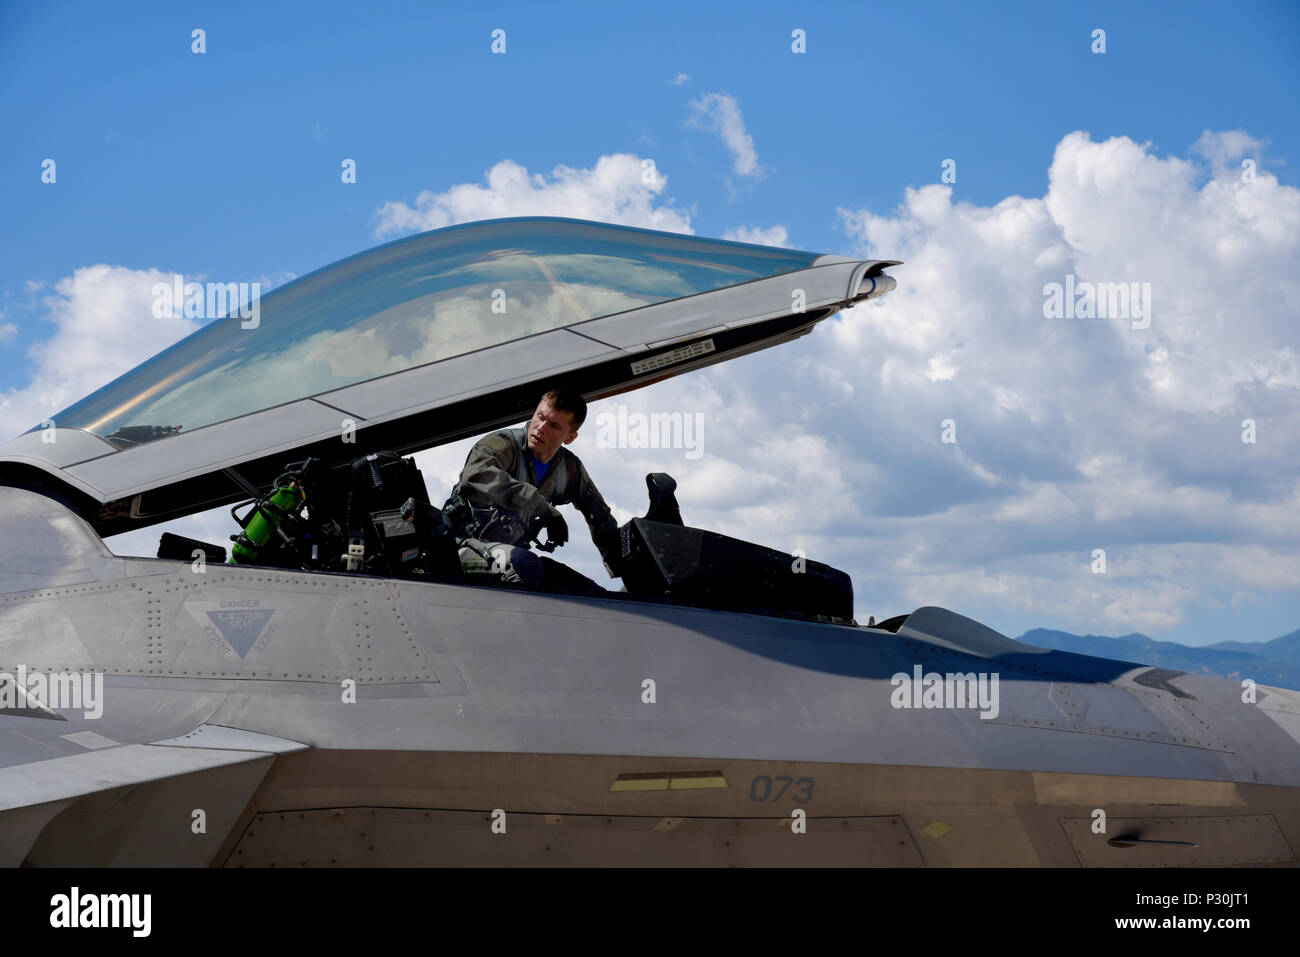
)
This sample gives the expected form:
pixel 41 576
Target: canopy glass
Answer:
pixel 408 303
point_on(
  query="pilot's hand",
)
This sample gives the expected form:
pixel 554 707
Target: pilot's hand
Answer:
pixel 557 529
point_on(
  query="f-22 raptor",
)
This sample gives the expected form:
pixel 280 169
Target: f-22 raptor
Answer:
pixel 338 695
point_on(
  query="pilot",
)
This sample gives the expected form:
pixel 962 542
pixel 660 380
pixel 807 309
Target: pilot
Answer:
pixel 509 489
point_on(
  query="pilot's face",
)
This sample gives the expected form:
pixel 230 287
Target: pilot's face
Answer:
pixel 548 430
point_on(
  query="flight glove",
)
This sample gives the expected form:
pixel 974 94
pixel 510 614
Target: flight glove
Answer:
pixel 557 529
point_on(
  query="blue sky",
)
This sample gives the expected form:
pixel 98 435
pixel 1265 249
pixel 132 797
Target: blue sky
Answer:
pixel 227 164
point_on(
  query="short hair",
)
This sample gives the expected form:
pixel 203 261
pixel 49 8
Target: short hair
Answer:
pixel 563 400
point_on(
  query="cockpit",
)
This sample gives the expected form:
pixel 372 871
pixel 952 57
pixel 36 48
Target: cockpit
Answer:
pixel 419 342
pixel 374 518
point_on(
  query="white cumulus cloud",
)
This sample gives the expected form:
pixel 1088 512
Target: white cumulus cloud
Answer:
pixel 1076 434
pixel 622 188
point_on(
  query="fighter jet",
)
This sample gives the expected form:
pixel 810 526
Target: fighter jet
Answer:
pixel 328 690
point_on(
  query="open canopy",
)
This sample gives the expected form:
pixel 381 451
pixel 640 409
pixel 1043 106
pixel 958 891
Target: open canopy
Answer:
pixel 419 342
pixel 412 302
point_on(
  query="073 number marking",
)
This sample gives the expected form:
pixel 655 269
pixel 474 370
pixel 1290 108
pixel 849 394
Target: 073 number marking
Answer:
pixel 763 788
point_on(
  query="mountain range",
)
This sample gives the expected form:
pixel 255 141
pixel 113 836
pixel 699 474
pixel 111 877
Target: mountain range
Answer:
pixel 1275 662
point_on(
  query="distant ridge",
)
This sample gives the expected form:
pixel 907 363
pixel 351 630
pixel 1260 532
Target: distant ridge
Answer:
pixel 1286 648
pixel 1275 662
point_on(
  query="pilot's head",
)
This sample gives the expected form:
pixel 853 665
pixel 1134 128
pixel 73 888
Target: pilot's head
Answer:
pixel 559 415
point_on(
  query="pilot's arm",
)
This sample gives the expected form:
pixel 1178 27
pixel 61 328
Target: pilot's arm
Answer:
pixel 587 499
pixel 488 479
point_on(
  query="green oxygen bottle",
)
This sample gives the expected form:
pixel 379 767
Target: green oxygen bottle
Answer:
pixel 265 521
